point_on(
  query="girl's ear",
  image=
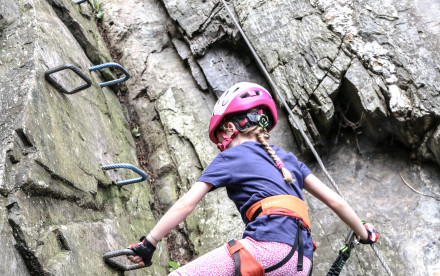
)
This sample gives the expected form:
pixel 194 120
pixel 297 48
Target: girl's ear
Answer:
pixel 230 127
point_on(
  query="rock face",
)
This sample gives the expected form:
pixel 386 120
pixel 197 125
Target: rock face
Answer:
pixel 59 211
pixel 363 78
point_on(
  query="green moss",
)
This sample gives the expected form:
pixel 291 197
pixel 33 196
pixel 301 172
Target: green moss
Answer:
pixel 48 220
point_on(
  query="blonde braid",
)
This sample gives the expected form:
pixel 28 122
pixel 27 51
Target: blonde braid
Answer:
pixel 263 137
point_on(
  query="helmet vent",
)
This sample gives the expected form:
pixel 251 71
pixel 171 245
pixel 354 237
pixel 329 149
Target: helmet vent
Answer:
pixel 252 94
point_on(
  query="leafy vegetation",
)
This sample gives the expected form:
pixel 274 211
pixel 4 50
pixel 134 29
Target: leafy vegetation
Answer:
pixel 96 6
pixel 174 265
pixel 135 131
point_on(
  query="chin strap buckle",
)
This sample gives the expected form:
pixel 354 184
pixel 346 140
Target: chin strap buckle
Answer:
pixel 226 140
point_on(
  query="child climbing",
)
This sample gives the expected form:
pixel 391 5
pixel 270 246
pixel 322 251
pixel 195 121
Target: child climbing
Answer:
pixel 265 183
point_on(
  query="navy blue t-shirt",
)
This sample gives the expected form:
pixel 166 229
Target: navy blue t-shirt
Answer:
pixel 249 175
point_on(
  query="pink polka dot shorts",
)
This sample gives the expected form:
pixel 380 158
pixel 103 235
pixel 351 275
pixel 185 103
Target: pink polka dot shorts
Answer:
pixel 220 263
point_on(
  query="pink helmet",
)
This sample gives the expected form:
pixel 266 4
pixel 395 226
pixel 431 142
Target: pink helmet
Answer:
pixel 238 99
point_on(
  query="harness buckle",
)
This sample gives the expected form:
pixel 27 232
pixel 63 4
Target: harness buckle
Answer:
pixel 301 224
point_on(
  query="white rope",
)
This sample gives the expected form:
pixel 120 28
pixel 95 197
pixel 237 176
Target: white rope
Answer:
pixel 296 121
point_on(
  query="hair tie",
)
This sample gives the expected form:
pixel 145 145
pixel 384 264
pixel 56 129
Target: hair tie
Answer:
pixel 280 164
pixel 151 235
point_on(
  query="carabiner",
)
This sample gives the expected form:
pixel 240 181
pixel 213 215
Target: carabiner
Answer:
pixel 344 253
pixel 108 259
pixel 127 166
pixel 350 242
pixel 111 65
pixel 59 87
pixel 79 1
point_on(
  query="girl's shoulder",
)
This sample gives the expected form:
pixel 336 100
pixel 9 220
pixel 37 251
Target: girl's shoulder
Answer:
pixel 280 150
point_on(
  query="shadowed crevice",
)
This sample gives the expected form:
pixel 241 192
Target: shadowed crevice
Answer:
pixel 31 261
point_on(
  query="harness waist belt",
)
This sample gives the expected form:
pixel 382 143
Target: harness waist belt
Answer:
pixel 286 205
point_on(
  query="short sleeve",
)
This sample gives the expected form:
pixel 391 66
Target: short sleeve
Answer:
pixel 299 167
pixel 218 173
pixel 305 171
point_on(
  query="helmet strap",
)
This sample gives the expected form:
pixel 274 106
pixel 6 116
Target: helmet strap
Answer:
pixel 244 121
pixel 226 140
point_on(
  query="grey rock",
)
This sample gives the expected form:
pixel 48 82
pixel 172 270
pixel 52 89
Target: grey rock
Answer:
pixel 56 201
pixel 190 15
pixel 359 76
pixel 299 49
pixel 395 42
pixel 365 97
pixel 434 144
pixel 174 112
pixel 389 205
pixel 201 24
pixel 185 54
pixel 331 58
pixel 224 67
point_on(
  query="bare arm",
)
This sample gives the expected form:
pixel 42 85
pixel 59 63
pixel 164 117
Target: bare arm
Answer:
pixel 318 189
pixel 179 211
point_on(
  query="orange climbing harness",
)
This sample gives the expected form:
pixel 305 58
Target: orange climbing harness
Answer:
pixel 245 263
pixel 281 205
pixel 284 205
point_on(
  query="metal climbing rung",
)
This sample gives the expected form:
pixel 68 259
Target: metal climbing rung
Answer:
pixel 127 166
pixel 111 65
pixel 79 1
pixel 88 83
pixel 59 87
pixel 108 259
